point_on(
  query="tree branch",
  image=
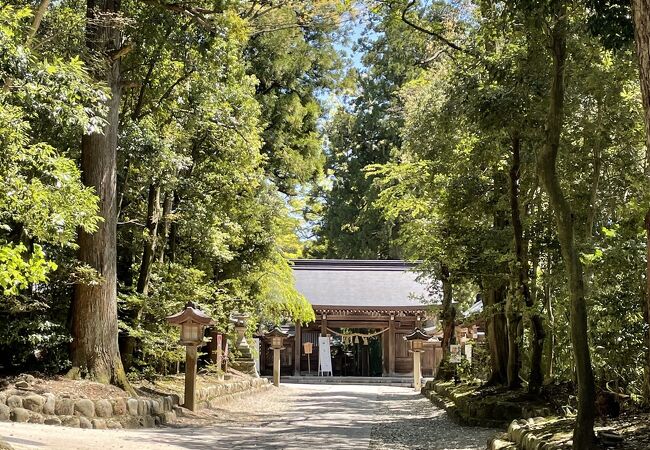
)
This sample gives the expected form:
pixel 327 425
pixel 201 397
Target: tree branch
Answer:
pixel 432 33
pixel 36 23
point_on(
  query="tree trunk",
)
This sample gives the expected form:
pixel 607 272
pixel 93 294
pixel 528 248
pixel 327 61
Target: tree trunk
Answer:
pixel 642 40
pixel 166 224
pixel 445 371
pixel 583 433
pixel 173 231
pixel 515 299
pixel 448 311
pixel 521 294
pixel 549 343
pixel 497 335
pixel 95 351
pixel 151 240
pixel 646 312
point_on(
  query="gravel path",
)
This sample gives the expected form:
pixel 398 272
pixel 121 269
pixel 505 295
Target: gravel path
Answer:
pixel 355 417
pixel 406 420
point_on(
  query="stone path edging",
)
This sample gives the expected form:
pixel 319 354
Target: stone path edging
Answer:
pixel 441 399
pixel 521 436
pixel 479 412
pixel 24 405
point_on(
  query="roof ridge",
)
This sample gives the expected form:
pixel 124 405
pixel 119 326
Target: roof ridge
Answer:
pixel 353 264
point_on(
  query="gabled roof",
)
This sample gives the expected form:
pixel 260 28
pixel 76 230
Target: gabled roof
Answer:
pixel 366 284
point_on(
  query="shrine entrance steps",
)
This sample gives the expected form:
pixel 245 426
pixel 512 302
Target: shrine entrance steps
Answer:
pixel 397 381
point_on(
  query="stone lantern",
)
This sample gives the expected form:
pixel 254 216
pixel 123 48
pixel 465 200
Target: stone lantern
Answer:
pixel 192 322
pixel 417 340
pixel 243 361
pixel 277 341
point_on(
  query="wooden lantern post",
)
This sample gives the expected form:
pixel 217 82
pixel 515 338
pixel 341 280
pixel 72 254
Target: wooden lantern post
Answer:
pixel 277 340
pixel 417 340
pixel 192 322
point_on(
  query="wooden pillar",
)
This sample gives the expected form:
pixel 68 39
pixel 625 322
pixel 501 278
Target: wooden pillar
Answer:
pixel 190 377
pixel 417 377
pixel 384 354
pixel 323 325
pixel 297 349
pixel 276 367
pixel 391 346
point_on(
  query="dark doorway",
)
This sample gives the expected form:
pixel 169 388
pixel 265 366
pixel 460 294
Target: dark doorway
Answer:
pixel 357 357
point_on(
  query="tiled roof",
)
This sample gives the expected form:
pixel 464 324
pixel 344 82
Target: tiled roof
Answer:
pixel 359 283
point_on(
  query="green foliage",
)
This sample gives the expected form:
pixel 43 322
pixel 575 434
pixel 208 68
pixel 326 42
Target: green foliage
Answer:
pixel 42 199
pixel 197 127
pixel 17 273
pixel 445 179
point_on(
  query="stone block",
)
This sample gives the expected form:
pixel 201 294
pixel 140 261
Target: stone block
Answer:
pixel 113 425
pixel 119 407
pixel 71 421
pixel 84 422
pixel 52 421
pixel 130 422
pixel 15 401
pixel 168 417
pixel 146 422
pixel 19 415
pixel 3 398
pixel 143 407
pixel 84 407
pixel 5 412
pixel 22 384
pixel 35 418
pixel 156 406
pixel 132 406
pixel 49 406
pixel 99 424
pixel 103 408
pixel 34 402
pixel 64 407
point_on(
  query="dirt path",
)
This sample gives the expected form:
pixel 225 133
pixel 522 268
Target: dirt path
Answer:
pixel 293 417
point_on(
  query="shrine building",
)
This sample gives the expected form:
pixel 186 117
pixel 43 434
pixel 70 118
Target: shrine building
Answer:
pixel 366 307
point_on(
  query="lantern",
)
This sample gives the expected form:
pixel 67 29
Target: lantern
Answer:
pixel 192 322
pixel 417 340
pixel 277 338
pixel 240 321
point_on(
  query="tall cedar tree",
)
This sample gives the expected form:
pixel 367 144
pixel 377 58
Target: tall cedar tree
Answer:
pixel 642 40
pixel 95 350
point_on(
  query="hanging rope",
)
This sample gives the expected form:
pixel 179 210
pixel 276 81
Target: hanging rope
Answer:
pixel 354 337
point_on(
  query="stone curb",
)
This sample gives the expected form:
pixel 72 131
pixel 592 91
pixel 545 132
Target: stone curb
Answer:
pixel 21 405
pixel 215 397
pixel 455 413
pixel 476 412
pixel 521 436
